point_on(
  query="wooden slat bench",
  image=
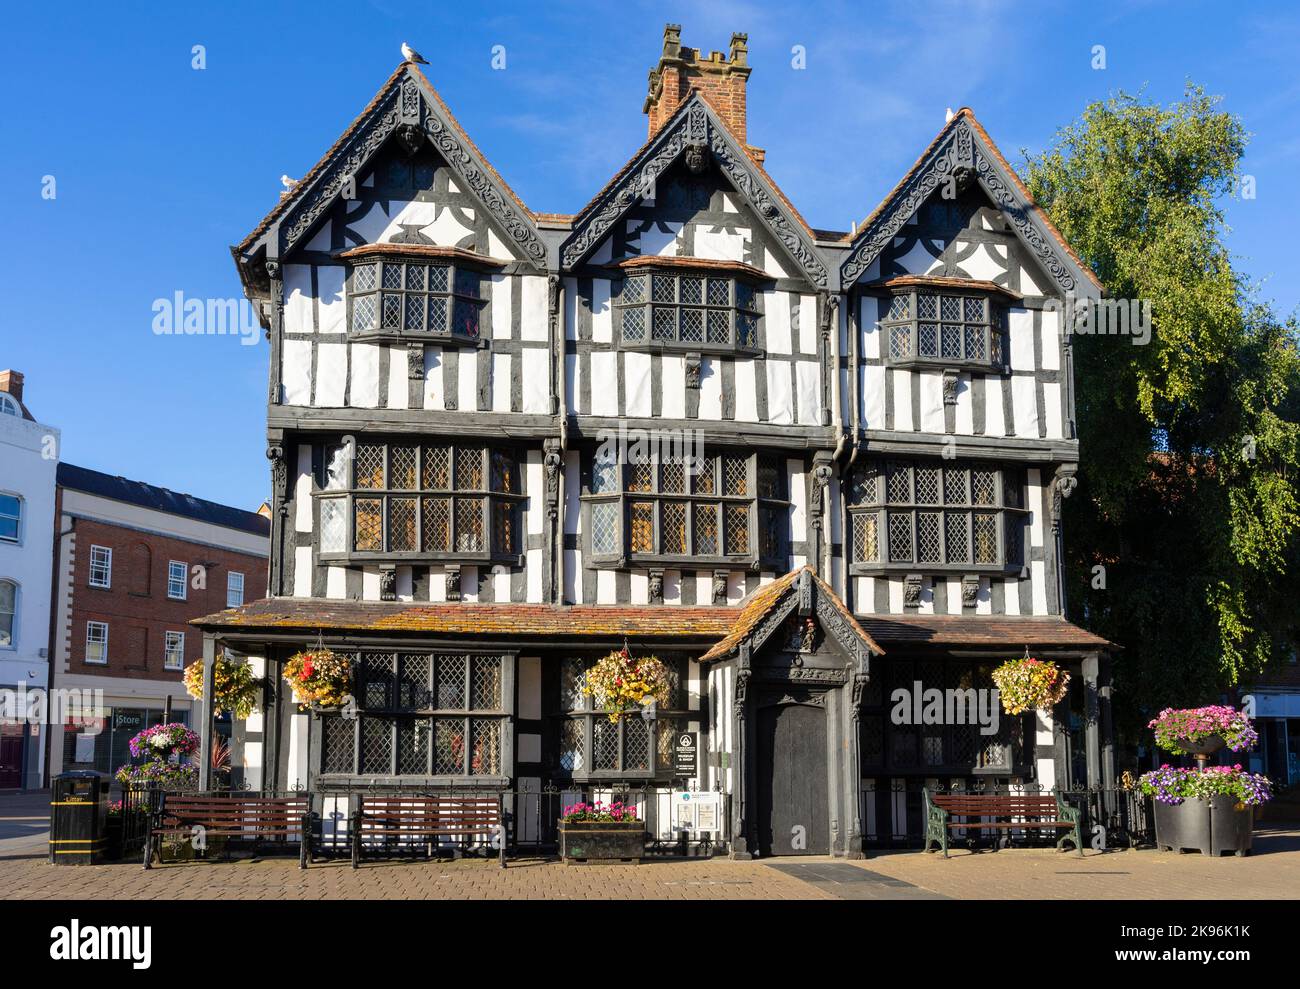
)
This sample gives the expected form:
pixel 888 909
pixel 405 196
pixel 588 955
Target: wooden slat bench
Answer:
pixel 1003 811
pixel 242 816
pixel 414 821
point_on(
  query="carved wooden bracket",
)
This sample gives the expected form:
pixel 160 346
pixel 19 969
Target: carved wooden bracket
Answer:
pixel 912 589
pixel 656 587
pixel 951 378
pixel 719 587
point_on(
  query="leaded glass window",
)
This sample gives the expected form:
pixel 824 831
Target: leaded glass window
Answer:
pixel 408 296
pixel 953 748
pixel 929 325
pixel 722 506
pixel 935 515
pixel 421 714
pixel 404 500
pixel 638 746
pixel 691 310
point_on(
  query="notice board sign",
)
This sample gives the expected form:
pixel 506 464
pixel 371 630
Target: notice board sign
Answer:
pixel 697 812
pixel 686 755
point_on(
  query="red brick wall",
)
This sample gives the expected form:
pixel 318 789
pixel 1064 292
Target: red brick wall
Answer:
pixel 724 90
pixel 136 606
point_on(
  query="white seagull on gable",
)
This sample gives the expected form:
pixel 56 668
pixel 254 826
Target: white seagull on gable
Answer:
pixel 411 55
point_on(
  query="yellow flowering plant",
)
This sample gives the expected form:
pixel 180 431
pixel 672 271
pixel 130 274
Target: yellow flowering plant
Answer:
pixel 236 688
pixel 1030 684
pixel 320 677
pixel 619 683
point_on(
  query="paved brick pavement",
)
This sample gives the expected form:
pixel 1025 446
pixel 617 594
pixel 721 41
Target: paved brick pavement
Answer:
pixel 467 879
pixel 1271 872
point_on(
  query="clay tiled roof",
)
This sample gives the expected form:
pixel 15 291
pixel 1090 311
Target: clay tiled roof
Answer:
pixel 710 264
pixel 944 281
pixel 969 114
pixel 468 618
pixel 762 601
pixel 982 630
pixel 423 250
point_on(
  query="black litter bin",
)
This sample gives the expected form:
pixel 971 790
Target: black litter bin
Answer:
pixel 78 811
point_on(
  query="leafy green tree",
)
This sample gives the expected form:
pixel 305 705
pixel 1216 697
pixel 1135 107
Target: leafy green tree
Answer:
pixel 1187 493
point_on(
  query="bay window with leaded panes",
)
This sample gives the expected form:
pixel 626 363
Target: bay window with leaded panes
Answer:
pixel 686 310
pixel 948 329
pixel 588 745
pixel 956 747
pixel 943 516
pixel 406 501
pixel 725 507
pixel 396 297
pixel 426 715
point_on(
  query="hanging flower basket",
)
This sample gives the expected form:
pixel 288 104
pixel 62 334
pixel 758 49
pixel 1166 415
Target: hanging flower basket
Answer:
pixel 1030 685
pixel 619 683
pixel 319 677
pixel 235 686
pixel 1197 730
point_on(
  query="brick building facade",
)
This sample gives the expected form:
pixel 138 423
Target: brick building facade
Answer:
pixel 134 563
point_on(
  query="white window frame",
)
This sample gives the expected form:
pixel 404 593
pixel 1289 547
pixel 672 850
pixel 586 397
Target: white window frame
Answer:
pixel 230 580
pixel 168 639
pixel 9 405
pixel 18 529
pixel 185 579
pixel 107 567
pixel 103 660
pixel 13 618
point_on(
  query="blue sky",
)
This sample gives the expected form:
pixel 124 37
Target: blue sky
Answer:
pixel 159 168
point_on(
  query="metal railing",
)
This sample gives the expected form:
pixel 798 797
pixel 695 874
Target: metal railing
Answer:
pixel 531 814
pixel 138 804
pixel 893 813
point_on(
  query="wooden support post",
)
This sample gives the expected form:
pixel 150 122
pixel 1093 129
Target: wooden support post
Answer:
pixel 1092 717
pixel 205 712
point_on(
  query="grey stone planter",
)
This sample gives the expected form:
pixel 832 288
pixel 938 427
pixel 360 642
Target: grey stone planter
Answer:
pixel 1211 826
pixel 596 841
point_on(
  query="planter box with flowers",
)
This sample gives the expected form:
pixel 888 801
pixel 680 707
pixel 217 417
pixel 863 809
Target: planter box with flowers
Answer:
pixel 1210 808
pixel 601 833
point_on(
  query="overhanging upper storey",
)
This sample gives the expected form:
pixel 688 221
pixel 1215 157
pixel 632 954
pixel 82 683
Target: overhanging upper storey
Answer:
pixel 408 114
pixel 960 158
pixel 694 135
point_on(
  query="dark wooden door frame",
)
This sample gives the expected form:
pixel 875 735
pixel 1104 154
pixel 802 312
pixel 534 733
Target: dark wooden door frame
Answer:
pixel 820 837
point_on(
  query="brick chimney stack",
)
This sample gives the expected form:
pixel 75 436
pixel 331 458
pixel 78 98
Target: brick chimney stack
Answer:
pixel 722 80
pixel 12 382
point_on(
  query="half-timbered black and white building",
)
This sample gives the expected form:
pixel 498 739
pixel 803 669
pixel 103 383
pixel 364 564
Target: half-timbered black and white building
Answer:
pixel 884 427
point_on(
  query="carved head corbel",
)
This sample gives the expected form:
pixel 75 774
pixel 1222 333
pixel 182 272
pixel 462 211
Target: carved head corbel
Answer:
pixel 697 158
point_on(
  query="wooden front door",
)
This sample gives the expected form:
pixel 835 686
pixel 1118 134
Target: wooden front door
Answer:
pixel 793 816
pixel 11 757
